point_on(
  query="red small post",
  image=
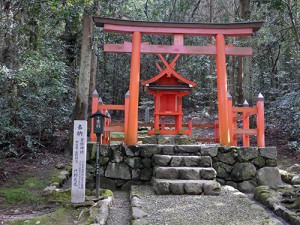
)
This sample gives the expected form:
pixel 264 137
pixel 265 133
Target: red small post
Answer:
pixel 234 126
pixel 246 139
pixel 260 121
pixel 162 124
pixel 126 113
pixel 190 127
pixel 230 118
pixel 106 134
pixel 217 134
pixel 94 109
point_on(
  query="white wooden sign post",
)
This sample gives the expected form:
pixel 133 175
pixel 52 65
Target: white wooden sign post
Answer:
pixel 79 161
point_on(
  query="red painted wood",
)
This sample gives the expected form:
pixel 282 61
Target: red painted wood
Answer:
pixel 111 107
pixel 178 30
pixel 172 132
pixel 175 49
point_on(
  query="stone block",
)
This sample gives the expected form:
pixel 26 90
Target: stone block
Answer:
pixel 166 173
pixel 243 171
pixel 165 140
pixel 190 149
pixel 190 161
pixel 105 150
pixel 211 188
pixel 128 151
pixel 138 213
pixel 259 162
pixel 118 171
pixel 189 174
pixel 162 160
pixel 117 156
pixel 149 150
pixel 146 163
pixel 232 184
pixel 268 152
pixel 247 153
pixel 150 140
pixel 146 174
pixel 247 186
pixel 208 174
pixel 104 160
pixel 134 162
pixel 271 162
pixel 228 157
pixel 90 168
pixel 269 176
pixel 185 140
pixel 177 188
pixel 167 149
pixel 135 149
pixel 193 188
pixel 211 151
pixel 161 187
pixel 221 172
pixel 106 183
pixel 296 180
pixel 136 174
pixel 176 161
pixel 221 181
pixel 205 161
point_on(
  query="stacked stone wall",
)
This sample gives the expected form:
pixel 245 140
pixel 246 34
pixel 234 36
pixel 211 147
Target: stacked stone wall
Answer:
pixel 121 166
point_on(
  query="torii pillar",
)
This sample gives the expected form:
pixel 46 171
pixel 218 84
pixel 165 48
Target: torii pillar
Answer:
pixel 222 91
pixel 134 83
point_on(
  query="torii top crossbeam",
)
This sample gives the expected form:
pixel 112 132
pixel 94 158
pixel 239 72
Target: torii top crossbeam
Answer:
pixel 178 31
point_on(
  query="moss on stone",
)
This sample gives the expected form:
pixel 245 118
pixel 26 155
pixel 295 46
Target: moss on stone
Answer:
pixel 69 168
pixel 62 196
pixel 104 160
pixel 93 151
pixel 295 205
pixel 60 216
pixel 106 192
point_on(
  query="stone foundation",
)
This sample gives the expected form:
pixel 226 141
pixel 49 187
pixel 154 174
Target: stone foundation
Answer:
pixel 241 167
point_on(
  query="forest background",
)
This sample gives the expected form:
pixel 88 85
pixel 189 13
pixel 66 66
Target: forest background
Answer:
pixel 40 45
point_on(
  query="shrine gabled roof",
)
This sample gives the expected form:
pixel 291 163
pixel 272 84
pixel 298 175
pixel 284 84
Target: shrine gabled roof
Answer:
pixel 163 73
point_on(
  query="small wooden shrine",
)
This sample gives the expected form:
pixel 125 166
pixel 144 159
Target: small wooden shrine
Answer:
pixel 168 87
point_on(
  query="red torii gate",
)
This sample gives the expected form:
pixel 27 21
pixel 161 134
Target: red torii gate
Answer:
pixel 178 31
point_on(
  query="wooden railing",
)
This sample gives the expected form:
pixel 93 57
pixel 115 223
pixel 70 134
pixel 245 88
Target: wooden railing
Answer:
pixel 240 116
pixel 239 126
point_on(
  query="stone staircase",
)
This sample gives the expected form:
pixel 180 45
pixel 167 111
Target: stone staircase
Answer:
pixel 187 172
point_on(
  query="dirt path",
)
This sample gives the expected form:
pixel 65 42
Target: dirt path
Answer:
pixel 120 212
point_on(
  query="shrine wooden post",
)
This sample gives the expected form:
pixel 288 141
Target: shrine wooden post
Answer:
pixel 132 128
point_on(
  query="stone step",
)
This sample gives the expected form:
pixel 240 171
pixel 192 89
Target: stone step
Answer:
pixel 191 187
pixel 204 150
pixel 185 173
pixel 172 160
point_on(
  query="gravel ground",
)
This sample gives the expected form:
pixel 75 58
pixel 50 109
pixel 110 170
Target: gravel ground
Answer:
pixel 120 212
pixel 231 207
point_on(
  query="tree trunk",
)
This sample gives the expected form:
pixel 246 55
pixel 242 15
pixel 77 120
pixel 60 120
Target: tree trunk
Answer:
pixel 247 81
pixel 81 107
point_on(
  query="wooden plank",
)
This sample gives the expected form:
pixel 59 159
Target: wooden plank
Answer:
pixel 122 139
pixel 79 161
pixel 114 129
pixel 178 49
pixel 172 132
pixel 191 31
pixel 111 107
pixel 116 125
pixel 206 140
pixel 245 109
pixel 240 132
